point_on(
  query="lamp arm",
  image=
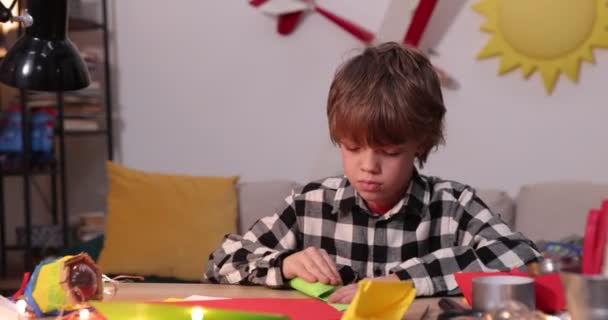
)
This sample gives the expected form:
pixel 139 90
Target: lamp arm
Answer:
pixel 6 15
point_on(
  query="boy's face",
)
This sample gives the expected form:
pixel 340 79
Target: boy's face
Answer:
pixel 379 174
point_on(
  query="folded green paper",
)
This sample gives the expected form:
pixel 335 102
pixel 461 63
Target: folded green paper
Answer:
pixel 133 310
pixel 317 290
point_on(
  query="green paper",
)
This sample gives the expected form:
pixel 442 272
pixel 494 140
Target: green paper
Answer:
pixel 128 311
pixel 317 290
pixel 338 306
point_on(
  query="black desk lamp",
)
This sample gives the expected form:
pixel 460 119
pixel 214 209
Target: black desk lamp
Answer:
pixel 44 58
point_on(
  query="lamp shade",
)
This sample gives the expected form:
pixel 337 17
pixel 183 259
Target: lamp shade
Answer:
pixel 44 58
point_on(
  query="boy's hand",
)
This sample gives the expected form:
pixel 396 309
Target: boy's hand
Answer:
pixel 311 264
pixel 347 293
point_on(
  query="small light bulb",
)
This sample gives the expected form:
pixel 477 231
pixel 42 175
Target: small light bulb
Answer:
pixel 84 314
pixel 197 313
pixel 21 306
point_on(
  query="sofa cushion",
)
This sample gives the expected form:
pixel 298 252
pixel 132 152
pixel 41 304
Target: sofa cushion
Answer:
pixel 165 225
pixel 499 202
pixel 554 211
pixel 260 199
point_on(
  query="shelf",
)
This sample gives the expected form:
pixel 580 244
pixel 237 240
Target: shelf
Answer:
pixel 9 284
pixel 79 24
pixel 14 248
pixel 22 247
pixel 31 173
pixel 18 248
pixel 77 133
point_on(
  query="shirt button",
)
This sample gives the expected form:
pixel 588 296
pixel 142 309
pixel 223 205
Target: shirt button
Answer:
pixel 377 272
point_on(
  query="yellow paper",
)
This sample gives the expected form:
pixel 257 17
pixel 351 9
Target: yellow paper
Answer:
pixel 381 300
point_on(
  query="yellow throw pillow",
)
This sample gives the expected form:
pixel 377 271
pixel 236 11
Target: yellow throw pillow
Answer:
pixel 165 225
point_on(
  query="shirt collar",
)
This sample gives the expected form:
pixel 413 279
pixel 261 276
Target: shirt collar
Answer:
pixel 414 200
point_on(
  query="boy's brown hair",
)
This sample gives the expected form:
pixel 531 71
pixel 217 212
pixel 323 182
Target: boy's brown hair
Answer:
pixel 387 95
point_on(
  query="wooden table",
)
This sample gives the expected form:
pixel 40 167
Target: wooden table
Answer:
pixel 162 291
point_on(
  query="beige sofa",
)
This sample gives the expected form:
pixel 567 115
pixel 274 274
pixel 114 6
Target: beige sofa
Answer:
pixel 552 211
pixel 544 211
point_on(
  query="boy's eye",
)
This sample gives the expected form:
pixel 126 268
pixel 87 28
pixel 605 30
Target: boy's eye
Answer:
pixel 391 153
pixel 352 148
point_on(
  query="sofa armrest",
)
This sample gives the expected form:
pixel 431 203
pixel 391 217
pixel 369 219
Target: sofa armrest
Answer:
pixel 499 202
pixel 259 199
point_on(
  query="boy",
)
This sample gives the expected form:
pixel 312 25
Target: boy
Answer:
pixel 382 219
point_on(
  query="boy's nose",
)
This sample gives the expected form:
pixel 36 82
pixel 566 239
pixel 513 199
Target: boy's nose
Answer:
pixel 369 162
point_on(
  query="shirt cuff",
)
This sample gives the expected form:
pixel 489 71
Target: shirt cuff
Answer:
pixel 419 277
pixel 403 275
pixel 278 263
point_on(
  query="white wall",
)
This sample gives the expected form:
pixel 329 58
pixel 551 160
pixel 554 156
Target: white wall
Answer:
pixel 504 131
pixel 218 92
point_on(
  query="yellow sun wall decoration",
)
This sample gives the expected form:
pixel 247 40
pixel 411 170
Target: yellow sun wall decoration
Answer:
pixel 552 36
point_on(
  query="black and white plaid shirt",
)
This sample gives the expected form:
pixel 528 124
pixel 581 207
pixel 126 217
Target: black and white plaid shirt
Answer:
pixel 437 229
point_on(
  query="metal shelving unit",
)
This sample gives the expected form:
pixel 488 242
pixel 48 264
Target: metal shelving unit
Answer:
pixel 57 169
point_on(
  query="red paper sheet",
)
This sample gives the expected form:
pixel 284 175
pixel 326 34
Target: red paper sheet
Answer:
pixel 590 241
pixel 296 309
pixel 547 288
pixel 600 244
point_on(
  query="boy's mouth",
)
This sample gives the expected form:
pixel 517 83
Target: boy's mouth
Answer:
pixel 369 186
